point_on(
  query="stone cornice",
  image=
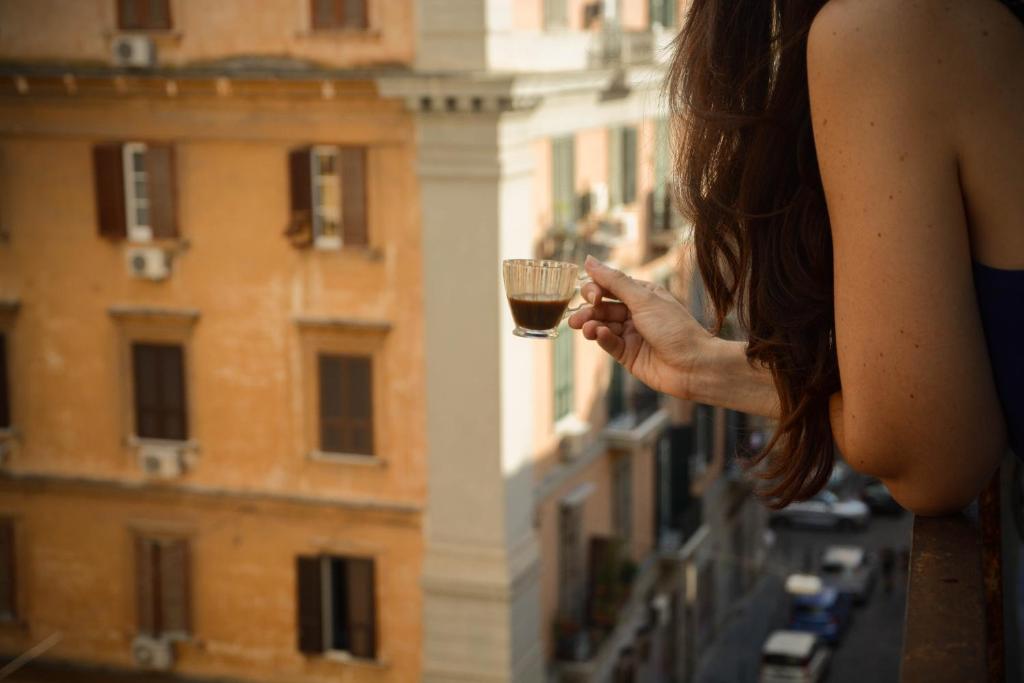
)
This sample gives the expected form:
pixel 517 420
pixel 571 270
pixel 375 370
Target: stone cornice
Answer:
pixel 502 92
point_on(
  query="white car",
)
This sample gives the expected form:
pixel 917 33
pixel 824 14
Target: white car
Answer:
pixel 849 569
pixel 824 511
pixel 793 657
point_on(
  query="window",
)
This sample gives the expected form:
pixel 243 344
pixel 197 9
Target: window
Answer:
pixel 158 371
pixel 144 15
pixel 8 593
pixel 346 404
pixel 617 391
pixel 135 186
pixel 556 14
pixel 339 14
pixel 571 581
pixel 563 182
pixel 337 605
pixel 622 165
pixel 135 191
pixel 5 401
pixel 663 13
pixel 661 207
pixel 328 196
pixel 563 374
pixel 162 580
pixel 622 501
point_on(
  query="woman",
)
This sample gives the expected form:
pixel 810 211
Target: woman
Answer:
pixel 855 173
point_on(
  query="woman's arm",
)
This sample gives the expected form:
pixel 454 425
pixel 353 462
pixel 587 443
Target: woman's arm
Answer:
pixel 724 377
pixel 657 340
pixel 918 407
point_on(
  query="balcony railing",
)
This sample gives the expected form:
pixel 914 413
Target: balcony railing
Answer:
pixel 954 627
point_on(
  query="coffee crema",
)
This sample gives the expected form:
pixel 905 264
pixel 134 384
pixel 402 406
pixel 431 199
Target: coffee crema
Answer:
pixel 537 311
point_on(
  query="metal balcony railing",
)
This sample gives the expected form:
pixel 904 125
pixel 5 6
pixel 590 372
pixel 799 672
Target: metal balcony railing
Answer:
pixel 955 629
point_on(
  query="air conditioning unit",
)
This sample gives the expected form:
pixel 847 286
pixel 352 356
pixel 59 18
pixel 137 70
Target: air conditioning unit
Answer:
pixel 160 461
pixel 155 654
pixel 149 263
pixel 134 51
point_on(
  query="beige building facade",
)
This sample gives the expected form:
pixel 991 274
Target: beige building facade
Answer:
pixel 263 417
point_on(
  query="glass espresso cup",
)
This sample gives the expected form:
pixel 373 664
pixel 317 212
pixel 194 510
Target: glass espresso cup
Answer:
pixel 539 293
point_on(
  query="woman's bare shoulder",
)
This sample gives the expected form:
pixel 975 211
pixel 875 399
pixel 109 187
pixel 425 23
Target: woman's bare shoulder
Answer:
pixel 924 42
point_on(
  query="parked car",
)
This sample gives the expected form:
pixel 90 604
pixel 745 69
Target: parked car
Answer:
pixel 849 569
pixel 793 657
pixel 824 511
pixel 817 608
pixel 879 500
pixel 840 477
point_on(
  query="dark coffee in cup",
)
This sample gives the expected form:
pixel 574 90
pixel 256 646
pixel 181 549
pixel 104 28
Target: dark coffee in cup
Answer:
pixel 537 311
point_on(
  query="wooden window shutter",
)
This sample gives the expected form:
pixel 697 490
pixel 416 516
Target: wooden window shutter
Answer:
pixel 146 576
pixel 309 599
pixel 329 371
pixel 175 586
pixel 172 392
pixel 146 390
pixel 162 191
pixel 5 401
pixel 346 404
pixel 359 404
pixel 8 567
pixel 361 603
pixel 300 180
pixel 352 162
pixel 108 176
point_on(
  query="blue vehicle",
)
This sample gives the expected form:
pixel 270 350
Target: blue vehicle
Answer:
pixel 818 609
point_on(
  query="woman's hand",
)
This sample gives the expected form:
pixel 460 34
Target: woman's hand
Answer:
pixel 651 334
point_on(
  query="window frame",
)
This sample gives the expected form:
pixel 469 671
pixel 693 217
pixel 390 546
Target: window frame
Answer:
pixel 142 28
pixel 368 358
pixel 332 336
pixel 162 539
pixel 571 560
pixel 183 407
pixel 320 184
pixel 563 375
pixel 315 601
pixel 623 167
pixel 155 326
pixel 135 231
pixel 564 204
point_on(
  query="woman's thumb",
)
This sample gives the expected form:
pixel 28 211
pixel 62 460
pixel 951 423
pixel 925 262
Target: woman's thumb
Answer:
pixel 624 288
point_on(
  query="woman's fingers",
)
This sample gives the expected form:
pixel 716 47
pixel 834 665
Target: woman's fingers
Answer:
pixel 613 344
pixel 618 284
pixel 606 311
pixel 591 327
pixel 592 292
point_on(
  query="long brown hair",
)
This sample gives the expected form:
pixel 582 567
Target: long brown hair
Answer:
pixel 747 175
